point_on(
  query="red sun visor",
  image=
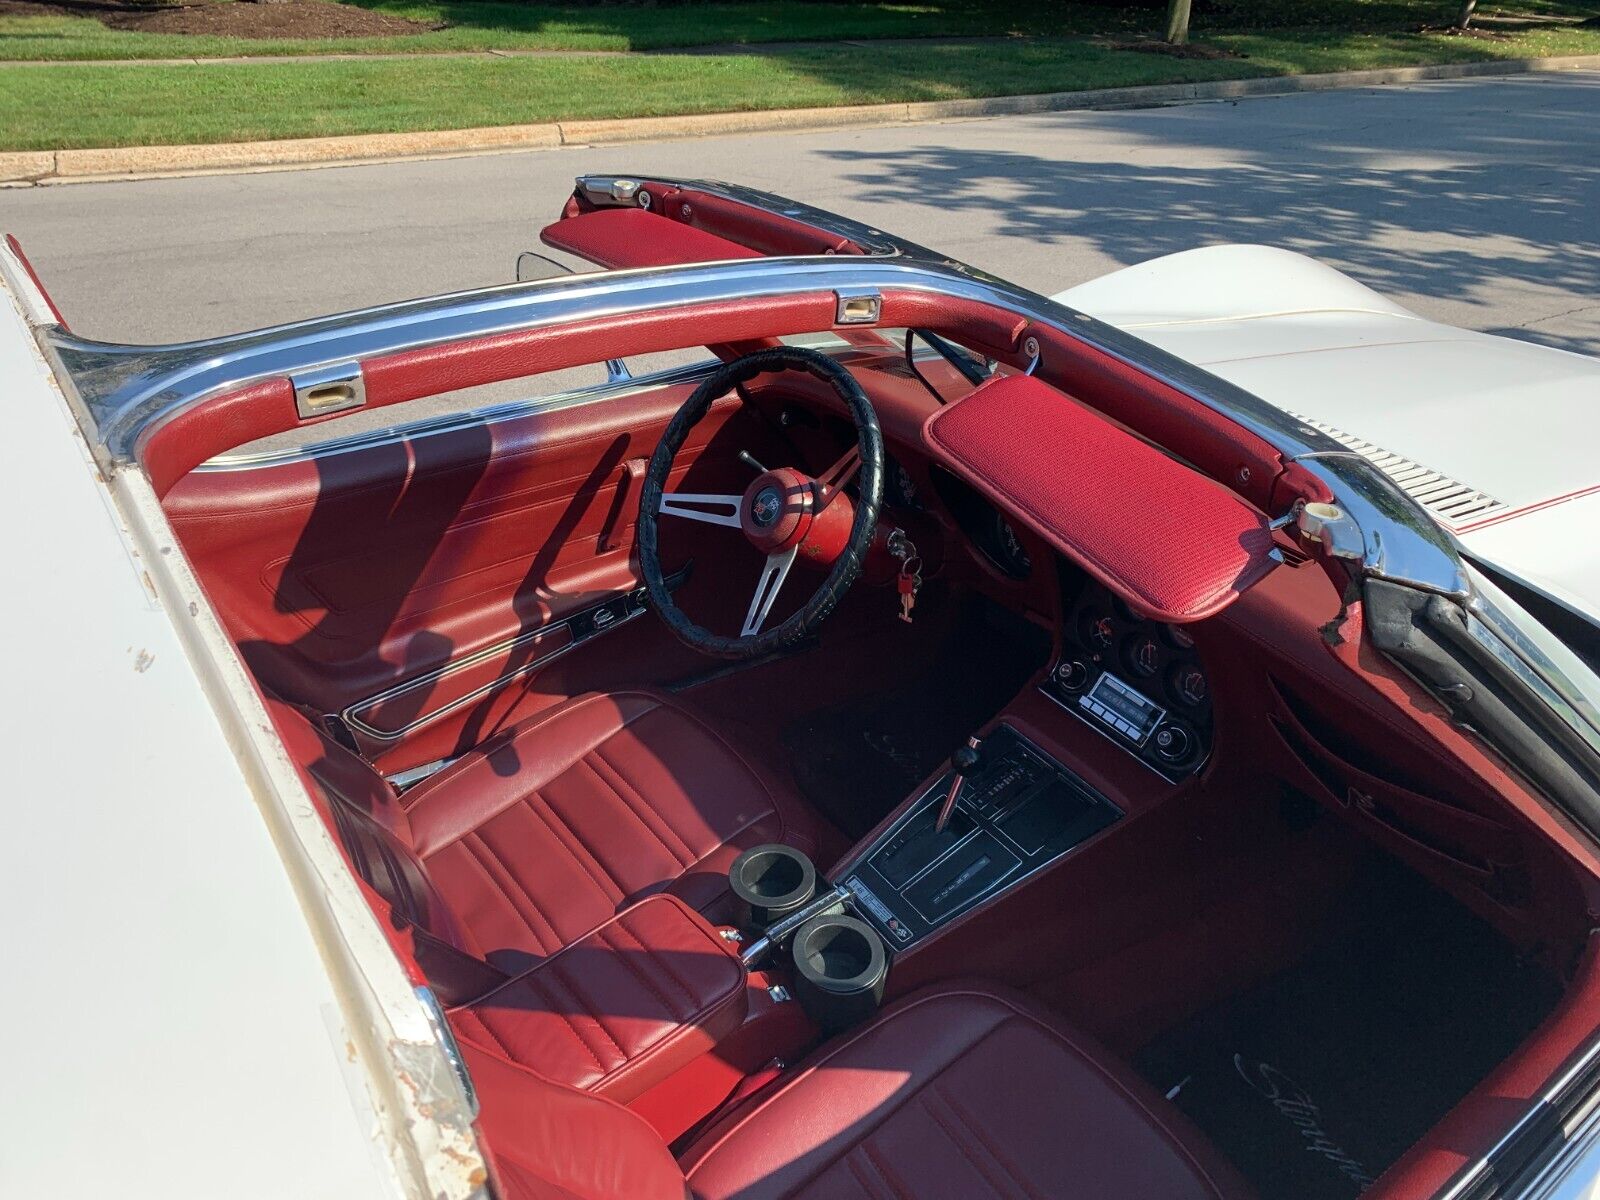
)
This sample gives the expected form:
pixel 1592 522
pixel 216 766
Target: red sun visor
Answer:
pixel 1173 543
pixel 619 238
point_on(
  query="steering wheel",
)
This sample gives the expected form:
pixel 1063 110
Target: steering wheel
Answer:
pixel 785 513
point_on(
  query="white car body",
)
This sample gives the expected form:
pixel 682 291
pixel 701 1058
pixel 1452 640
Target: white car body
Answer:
pixel 184 1017
pixel 240 1027
pixel 1494 437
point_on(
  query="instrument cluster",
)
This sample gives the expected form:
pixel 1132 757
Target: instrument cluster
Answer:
pixel 1138 681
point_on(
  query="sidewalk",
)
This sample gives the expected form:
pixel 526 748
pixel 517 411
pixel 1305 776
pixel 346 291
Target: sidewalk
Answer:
pixel 27 168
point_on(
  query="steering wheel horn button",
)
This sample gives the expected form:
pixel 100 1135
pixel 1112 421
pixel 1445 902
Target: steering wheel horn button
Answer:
pixel 766 507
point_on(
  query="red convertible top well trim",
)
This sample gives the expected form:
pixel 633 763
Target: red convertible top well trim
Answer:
pixel 1173 543
pixel 621 238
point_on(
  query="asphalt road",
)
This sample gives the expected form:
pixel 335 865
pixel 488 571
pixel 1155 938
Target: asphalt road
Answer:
pixel 1477 203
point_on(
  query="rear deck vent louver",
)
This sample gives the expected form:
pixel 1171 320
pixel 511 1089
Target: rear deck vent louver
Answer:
pixel 1451 501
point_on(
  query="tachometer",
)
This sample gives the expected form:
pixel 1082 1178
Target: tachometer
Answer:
pixel 1096 629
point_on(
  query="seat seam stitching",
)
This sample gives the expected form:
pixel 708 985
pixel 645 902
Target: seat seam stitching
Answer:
pixel 695 1005
pixel 684 856
pixel 633 968
pixel 550 819
pixel 810 1070
pixel 476 847
pixel 885 1118
pixel 540 990
pixel 977 1136
pixel 591 1010
pixel 494 1036
pixel 632 811
pixel 889 1181
pixel 853 1165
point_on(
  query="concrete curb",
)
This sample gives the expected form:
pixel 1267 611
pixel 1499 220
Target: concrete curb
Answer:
pixel 30 167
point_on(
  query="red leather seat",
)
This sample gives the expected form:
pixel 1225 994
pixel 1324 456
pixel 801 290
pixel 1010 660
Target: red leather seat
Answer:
pixel 549 829
pixel 543 833
pixel 961 1091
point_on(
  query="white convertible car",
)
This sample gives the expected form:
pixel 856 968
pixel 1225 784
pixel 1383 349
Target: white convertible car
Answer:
pixel 929 741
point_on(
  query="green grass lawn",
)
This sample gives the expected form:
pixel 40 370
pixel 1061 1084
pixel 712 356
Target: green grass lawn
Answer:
pixel 477 25
pixel 66 106
pixel 72 106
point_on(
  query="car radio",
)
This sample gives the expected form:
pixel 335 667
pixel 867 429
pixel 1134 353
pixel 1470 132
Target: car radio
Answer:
pixel 1138 682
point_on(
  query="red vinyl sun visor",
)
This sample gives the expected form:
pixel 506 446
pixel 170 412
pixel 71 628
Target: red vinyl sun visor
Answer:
pixel 619 238
pixel 1173 543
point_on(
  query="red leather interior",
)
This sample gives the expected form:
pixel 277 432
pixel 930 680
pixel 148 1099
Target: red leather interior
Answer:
pixel 962 1091
pixel 557 824
pixel 956 1092
pixel 1169 541
pixel 548 831
pixel 634 237
pixel 617 1011
pixel 343 576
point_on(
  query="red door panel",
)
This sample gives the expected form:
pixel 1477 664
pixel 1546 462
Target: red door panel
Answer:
pixel 346 575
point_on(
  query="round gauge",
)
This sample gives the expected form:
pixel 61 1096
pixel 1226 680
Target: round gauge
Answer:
pixel 1142 655
pixel 1177 637
pixel 1096 629
pixel 1014 559
pixel 1189 685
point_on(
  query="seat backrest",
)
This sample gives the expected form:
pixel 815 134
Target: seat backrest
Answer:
pixel 366 817
pixel 548 1141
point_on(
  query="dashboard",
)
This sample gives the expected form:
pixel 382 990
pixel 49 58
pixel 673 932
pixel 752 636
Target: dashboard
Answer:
pixel 1137 681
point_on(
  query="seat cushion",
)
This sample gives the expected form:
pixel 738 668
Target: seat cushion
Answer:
pixel 621 1009
pixel 966 1091
pixel 563 821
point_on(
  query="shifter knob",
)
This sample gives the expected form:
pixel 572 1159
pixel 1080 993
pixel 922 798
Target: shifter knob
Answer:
pixel 964 761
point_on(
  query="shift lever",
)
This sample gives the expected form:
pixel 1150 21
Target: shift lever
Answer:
pixel 964 762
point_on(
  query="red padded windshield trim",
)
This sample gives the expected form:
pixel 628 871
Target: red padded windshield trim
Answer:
pixel 16 249
pixel 1171 542
pixel 618 238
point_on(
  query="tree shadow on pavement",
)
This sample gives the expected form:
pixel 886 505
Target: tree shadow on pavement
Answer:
pixel 1406 207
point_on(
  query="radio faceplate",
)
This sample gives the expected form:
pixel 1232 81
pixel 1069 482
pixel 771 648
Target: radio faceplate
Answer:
pixel 1137 681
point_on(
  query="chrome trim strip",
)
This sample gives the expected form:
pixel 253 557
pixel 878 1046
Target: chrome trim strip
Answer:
pixel 1550 1100
pixel 472 418
pixel 451 668
pixel 123 392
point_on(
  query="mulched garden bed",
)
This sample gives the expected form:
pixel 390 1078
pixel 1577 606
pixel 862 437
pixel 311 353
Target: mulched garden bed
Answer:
pixel 230 18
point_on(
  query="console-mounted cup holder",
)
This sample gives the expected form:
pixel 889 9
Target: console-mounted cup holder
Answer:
pixel 840 965
pixel 771 882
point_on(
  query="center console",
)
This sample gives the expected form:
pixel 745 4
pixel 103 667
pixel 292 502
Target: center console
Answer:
pixel 1017 811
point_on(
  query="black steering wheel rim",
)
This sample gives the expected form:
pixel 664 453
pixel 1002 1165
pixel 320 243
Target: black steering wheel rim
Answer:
pixel 845 570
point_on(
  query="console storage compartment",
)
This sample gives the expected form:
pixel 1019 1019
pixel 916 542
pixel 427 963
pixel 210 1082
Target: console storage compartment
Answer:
pixel 621 1009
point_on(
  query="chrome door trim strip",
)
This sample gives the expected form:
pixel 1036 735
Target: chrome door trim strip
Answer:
pixel 632 598
pixel 472 418
pixel 122 393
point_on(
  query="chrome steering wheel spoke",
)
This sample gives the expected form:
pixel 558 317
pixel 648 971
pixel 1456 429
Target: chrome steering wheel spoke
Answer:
pixel 683 504
pixel 772 577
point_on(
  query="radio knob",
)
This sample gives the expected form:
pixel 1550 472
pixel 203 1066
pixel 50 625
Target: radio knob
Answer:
pixel 1072 675
pixel 1173 743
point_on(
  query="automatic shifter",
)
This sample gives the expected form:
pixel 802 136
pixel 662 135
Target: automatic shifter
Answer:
pixel 963 762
